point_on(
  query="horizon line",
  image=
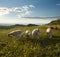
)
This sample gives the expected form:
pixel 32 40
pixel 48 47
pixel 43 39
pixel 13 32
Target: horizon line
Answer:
pixel 43 17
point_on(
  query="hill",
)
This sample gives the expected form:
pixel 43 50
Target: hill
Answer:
pixel 32 25
pixel 55 22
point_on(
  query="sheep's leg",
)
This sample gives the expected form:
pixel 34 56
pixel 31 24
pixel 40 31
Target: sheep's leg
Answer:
pixel 50 35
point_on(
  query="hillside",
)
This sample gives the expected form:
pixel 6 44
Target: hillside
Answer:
pixel 55 22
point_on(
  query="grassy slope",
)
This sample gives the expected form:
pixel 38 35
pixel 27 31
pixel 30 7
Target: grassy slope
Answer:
pixel 29 47
pixel 56 22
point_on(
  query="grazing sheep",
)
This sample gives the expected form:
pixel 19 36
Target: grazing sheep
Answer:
pixel 27 33
pixel 36 33
pixel 17 33
pixel 49 31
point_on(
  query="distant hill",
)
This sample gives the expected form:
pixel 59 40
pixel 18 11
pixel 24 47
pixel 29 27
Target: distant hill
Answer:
pixel 55 22
pixel 6 27
pixel 32 25
pixel 18 25
pixel 12 26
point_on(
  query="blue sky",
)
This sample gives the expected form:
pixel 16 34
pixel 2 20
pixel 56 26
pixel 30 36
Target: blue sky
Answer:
pixel 11 11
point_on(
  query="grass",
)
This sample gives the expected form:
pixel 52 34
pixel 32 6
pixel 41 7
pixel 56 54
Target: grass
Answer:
pixel 29 46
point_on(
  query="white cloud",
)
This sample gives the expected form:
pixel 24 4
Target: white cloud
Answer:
pixel 32 6
pixel 24 10
pixel 17 9
pixel 24 14
pixel 4 11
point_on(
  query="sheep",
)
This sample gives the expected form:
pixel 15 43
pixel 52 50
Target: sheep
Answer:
pixel 27 33
pixel 36 33
pixel 49 31
pixel 17 33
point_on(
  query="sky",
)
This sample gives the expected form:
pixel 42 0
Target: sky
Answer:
pixel 12 11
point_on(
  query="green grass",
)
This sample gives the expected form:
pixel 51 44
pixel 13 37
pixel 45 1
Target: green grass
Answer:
pixel 29 46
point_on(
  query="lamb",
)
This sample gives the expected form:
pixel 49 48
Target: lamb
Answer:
pixel 17 33
pixel 27 33
pixel 49 31
pixel 36 33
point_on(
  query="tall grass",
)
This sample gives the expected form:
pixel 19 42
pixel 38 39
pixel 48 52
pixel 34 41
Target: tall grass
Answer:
pixel 29 46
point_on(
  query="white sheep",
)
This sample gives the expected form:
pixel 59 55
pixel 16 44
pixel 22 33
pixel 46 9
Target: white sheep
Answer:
pixel 49 31
pixel 36 33
pixel 27 33
pixel 17 33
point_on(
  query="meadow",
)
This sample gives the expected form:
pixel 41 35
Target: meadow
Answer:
pixel 29 46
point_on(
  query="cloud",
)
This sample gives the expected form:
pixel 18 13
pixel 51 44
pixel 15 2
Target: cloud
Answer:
pixel 17 9
pixel 23 8
pixel 32 6
pixel 23 11
pixel 58 4
pixel 4 11
pixel 24 14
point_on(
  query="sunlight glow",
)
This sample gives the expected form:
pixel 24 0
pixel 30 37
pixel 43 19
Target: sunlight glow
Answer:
pixel 24 21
